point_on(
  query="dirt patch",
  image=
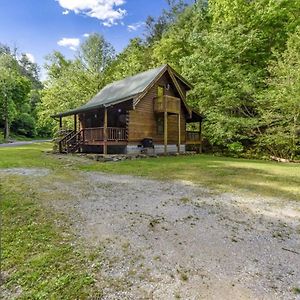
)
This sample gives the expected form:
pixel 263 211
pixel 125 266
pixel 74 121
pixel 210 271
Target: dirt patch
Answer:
pixel 174 240
pixel 26 171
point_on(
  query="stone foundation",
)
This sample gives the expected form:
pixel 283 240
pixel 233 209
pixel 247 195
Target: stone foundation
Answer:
pixel 158 149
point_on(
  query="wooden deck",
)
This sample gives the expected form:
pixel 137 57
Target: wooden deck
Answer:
pixel 73 140
pixel 112 136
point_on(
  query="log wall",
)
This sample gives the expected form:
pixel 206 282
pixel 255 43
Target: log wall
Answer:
pixel 142 122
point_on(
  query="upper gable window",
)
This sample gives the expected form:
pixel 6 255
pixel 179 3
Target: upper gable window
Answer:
pixel 160 92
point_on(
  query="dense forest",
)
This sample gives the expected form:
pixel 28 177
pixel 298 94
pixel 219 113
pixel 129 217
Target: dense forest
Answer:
pixel 242 57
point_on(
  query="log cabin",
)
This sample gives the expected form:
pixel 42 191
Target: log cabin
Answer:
pixel 142 113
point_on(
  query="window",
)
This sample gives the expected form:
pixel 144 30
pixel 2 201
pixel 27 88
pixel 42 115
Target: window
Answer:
pixel 160 91
pixel 160 94
pixel 160 119
pixel 160 125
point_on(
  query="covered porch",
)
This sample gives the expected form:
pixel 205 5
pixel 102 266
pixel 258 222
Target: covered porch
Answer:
pixel 194 131
pixel 102 127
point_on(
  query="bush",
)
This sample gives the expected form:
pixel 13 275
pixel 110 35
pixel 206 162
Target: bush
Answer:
pixel 235 148
pixel 24 124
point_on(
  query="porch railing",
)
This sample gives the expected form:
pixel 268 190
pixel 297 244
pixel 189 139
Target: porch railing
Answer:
pixel 97 134
pixel 116 134
pixel 193 136
pixel 93 134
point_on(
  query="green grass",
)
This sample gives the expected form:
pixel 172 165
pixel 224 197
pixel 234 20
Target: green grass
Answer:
pixel 38 259
pixel 296 290
pixel 27 156
pixel 219 173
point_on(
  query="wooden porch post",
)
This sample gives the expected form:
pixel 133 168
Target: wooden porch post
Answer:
pixel 179 133
pixel 200 136
pixel 105 132
pixel 60 128
pixel 75 123
pixel 166 131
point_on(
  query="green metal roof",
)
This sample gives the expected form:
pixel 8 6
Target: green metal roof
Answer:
pixel 118 91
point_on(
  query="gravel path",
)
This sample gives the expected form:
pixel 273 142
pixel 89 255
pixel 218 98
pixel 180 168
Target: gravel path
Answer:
pixel 22 143
pixel 174 240
pixel 168 240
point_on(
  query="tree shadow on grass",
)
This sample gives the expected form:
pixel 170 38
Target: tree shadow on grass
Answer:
pixel 225 176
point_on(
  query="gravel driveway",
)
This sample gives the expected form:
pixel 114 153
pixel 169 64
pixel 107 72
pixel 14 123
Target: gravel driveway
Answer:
pixel 174 240
pixel 22 143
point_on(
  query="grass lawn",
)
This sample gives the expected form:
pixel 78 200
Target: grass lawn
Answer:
pixel 39 260
pixel 220 173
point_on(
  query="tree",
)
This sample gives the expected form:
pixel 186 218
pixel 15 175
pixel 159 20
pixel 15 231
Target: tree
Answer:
pixel 73 87
pixel 155 28
pixel 133 59
pixel 96 53
pixel 224 85
pixel 280 103
pixel 175 43
pixel 56 63
pixel 71 83
pixel 30 70
pixel 226 56
pixel 14 89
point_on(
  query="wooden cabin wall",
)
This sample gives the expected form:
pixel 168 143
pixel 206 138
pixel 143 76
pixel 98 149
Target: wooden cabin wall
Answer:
pixel 142 122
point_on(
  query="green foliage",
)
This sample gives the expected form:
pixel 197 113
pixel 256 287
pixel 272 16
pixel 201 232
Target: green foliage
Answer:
pixel 174 45
pixel 224 49
pixel 155 28
pixel 237 54
pixel 24 124
pixel 96 54
pixel 235 148
pixel 19 92
pixel 72 87
pixel 133 59
pixel 72 83
pixel 280 103
pixel 14 88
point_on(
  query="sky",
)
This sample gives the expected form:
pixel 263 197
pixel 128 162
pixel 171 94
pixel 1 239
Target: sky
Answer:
pixel 38 27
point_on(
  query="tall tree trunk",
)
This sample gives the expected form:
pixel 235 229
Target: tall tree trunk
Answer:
pixel 6 120
pixel 6 128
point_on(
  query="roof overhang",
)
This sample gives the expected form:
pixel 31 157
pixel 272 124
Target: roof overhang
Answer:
pixel 83 109
pixel 188 85
pixel 195 117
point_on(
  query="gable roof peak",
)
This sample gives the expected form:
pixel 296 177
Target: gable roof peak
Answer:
pixel 124 89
